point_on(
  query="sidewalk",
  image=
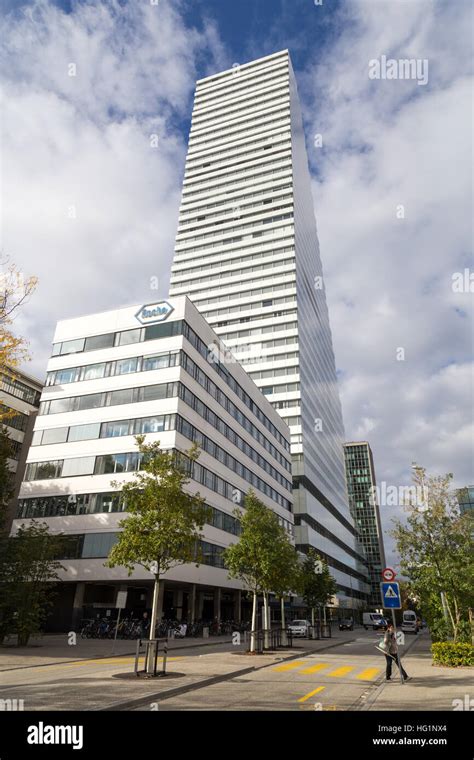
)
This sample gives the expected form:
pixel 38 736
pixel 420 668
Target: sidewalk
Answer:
pixel 54 649
pixel 431 687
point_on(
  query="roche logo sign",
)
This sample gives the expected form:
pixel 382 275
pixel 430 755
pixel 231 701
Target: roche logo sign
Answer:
pixel 154 312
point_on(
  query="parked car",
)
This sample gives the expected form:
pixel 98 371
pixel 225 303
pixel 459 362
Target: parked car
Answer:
pixel 373 620
pixel 346 624
pixel 299 627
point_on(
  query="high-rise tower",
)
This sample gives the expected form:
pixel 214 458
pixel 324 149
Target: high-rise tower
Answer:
pixel 363 502
pixel 247 254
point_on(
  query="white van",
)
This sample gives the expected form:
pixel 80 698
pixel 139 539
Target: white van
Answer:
pixel 409 622
pixel 373 620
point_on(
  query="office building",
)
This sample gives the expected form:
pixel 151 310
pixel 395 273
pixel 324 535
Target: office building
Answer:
pixel 19 402
pixel 466 500
pixel 157 370
pixel 247 254
pixel 361 487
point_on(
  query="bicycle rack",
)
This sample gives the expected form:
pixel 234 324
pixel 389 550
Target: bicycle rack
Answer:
pixel 275 638
pixel 151 647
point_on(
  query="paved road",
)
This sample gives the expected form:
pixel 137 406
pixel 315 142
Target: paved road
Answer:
pixel 341 676
pixel 345 677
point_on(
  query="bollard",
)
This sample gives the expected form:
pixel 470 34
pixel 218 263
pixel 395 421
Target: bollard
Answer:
pixel 165 657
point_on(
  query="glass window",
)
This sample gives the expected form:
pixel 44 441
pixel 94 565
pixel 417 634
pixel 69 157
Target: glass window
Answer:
pixel 55 435
pixel 153 392
pixel 115 429
pixel 84 432
pixel 79 466
pixel 120 397
pixel 209 479
pixel 125 366
pixel 151 425
pixel 107 502
pixel 59 405
pixel 99 341
pixel 64 376
pixel 128 336
pixel 106 464
pixel 98 544
pixel 200 408
pixel 132 462
pixel 152 332
pixel 44 470
pixel 94 371
pixel 72 346
pixel 156 362
pixel 92 401
pixel 37 436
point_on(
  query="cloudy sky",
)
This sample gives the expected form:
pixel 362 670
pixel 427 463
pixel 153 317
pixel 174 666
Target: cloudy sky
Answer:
pixel 91 208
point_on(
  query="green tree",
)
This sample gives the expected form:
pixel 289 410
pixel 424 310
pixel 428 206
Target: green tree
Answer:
pixel 6 479
pixel 163 525
pixel 263 559
pixel 435 546
pixel 286 574
pixel 15 291
pixel 28 572
pixel 317 584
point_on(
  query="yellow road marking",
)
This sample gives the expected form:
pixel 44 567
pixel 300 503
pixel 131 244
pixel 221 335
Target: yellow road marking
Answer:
pixel 289 666
pixel 339 672
pixel 369 674
pixel 311 694
pixel 315 668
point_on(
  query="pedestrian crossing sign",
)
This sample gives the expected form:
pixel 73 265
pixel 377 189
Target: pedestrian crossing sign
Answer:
pixel 391 599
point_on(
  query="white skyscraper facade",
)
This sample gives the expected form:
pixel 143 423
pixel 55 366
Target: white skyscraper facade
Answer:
pixel 247 254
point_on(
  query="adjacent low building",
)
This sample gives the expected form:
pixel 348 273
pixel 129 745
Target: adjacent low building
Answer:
pixel 157 370
pixel 19 401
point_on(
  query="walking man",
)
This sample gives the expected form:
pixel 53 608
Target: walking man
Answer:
pixel 391 653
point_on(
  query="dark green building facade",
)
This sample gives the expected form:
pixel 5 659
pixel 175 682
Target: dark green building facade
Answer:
pixel 361 483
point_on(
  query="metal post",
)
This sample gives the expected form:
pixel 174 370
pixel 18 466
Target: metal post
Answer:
pixel 116 629
pixel 398 655
pixel 165 656
pixel 137 656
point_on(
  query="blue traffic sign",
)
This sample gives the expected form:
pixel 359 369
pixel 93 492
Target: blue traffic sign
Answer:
pixel 391 599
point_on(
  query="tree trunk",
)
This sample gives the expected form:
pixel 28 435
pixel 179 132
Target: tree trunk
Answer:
pixel 283 623
pixel 254 622
pixel 266 617
pixel 312 616
pixel 153 622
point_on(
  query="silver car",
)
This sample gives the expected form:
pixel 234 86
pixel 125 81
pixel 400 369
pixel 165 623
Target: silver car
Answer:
pixel 299 627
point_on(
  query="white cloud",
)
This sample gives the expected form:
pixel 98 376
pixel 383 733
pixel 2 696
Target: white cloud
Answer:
pixel 80 145
pixel 389 280
pixel 83 141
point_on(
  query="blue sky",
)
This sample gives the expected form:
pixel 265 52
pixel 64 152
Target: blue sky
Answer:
pixel 83 143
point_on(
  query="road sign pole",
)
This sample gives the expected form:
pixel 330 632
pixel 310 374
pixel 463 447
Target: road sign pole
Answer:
pixel 398 654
